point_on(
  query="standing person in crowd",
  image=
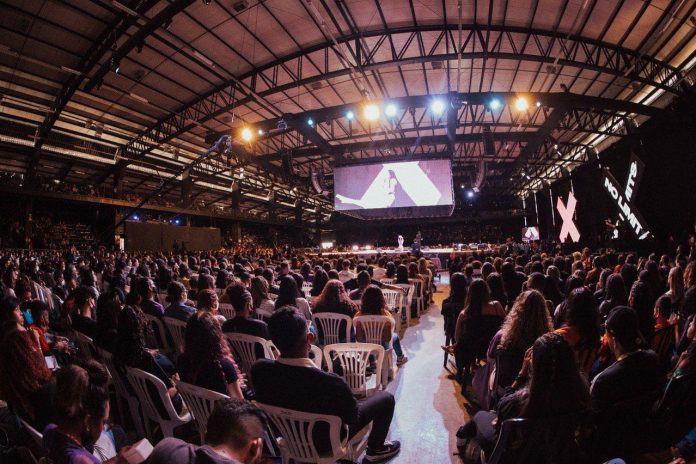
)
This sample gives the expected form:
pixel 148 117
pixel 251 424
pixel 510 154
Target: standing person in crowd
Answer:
pixel 454 303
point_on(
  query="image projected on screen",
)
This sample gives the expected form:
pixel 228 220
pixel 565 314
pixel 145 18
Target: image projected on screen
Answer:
pixel 393 185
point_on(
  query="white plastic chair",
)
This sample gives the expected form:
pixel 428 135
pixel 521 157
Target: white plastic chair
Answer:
pixel 200 402
pixel 227 310
pixel 354 361
pixel 307 289
pixel 330 325
pixel 394 300
pixel 177 329
pixel 84 343
pixel 244 349
pixel 387 280
pixel 317 354
pixel 373 328
pixel 160 334
pixel 33 433
pixel 140 380
pixel 296 441
pixel 122 392
pixel 417 294
pixel 406 301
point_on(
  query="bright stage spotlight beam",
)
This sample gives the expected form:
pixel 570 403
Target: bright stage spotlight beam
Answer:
pixel 521 104
pixel 247 134
pixel 437 107
pixel 371 112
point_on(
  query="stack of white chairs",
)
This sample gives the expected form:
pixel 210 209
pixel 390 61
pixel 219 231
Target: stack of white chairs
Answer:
pixel 296 441
pixel 141 382
pixel 354 359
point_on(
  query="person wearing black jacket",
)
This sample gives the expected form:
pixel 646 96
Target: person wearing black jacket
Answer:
pixel 306 388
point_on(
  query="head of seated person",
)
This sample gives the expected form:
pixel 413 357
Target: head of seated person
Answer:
pixel 363 280
pixel 241 300
pixel 290 333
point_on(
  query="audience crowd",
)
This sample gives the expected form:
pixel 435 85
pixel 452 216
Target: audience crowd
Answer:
pixel 590 354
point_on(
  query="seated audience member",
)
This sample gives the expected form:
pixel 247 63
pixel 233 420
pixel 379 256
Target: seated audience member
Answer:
pixel 262 303
pixel 109 306
pixel 269 275
pixel 208 301
pixel 581 329
pixel 234 436
pixel 204 362
pixel 289 295
pixel 178 309
pixel 242 302
pixel 335 299
pixel 495 283
pixel 553 399
pixel 615 295
pixel 130 351
pixel 559 314
pixel 146 291
pixel 345 273
pixel 663 312
pixel 623 394
pixel 454 303
pixel 363 281
pixel 49 342
pixel 320 280
pixel 82 408
pixel 640 299
pixel 82 318
pixel 308 389
pixel 25 381
pixel 373 304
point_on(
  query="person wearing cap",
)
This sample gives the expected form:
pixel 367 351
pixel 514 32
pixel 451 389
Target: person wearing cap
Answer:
pixel 623 393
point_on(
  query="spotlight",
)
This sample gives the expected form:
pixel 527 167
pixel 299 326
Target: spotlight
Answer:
pixel 371 112
pixel 136 217
pixel 494 104
pixel 437 107
pixel 538 104
pixel 390 110
pixel 310 122
pixel 470 194
pixel 247 135
pixel 260 132
pixel 115 64
pixel 350 115
pixel 355 247
pixel 177 221
pixel 521 104
pixel 461 186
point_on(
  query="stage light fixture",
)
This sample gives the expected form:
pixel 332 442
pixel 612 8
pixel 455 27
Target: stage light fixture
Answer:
pixel 538 104
pixel 310 122
pixel 136 217
pixel 371 112
pixel 521 104
pixel 350 115
pixel 437 107
pixel 355 247
pixel 260 132
pixel 390 110
pixel 470 194
pixel 494 104
pixel 247 135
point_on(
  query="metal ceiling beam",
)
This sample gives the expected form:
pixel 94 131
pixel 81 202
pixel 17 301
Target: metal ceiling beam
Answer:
pixel 580 52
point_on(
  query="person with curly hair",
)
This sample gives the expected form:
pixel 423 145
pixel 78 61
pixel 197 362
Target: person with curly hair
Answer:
pixel 527 320
pixel 203 362
pixel 25 381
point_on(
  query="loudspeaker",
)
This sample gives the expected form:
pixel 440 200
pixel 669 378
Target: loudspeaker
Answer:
pixel 317 179
pixel 288 168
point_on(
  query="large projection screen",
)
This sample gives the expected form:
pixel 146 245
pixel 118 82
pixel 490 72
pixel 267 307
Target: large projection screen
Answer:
pixel 395 189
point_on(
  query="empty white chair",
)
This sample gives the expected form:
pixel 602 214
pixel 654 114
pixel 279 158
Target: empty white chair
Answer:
pixel 244 349
pixel 406 301
pixel 417 294
pixel 160 332
pixel 84 343
pixel 227 310
pixel 354 361
pixel 140 380
pixel 317 355
pixel 329 325
pixel 394 300
pixel 200 402
pixel 177 329
pixel 373 328
pixel 296 440
pixel 122 393
pixel 33 433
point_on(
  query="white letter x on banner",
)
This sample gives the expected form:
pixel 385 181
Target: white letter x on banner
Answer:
pixel 566 213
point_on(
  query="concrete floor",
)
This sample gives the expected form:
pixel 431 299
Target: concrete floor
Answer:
pixel 429 406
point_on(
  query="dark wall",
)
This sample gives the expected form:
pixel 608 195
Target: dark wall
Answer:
pixel 146 236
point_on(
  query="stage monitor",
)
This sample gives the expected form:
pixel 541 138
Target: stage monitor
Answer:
pixel 530 234
pixel 418 188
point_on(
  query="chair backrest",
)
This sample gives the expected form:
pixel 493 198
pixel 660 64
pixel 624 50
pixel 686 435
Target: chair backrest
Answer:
pixel 329 325
pixel 306 289
pixel 417 287
pixel 140 380
pixel 393 298
pixel 159 330
pixel 227 310
pixel 372 327
pixel 177 329
pixel 507 366
pixel 409 294
pixel 354 361
pixel 511 445
pixel 297 430
pixel 84 343
pixel 317 355
pixel 200 402
pixel 244 349
pixel 33 433
pixel 107 359
pixel 387 280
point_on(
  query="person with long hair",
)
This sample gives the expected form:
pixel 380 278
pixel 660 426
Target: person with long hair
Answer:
pixel 261 301
pixel 495 283
pixel 581 327
pixel 203 362
pixel 402 275
pixel 109 306
pixel 675 282
pixel 454 303
pixel 320 279
pixel 25 381
pixel 527 320
pixel 374 304
pixel 641 300
pixel 208 301
pixel 289 295
pixel 334 299
pixel 553 398
pixel 616 294
pixel 559 314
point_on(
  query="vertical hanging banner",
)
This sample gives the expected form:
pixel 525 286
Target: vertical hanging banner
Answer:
pixel 624 198
pixel 568 227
